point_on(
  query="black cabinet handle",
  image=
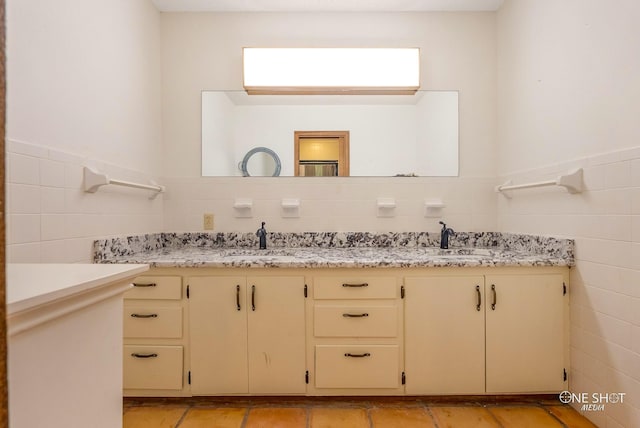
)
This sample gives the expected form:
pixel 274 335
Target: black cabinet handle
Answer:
pixel 137 284
pixel 495 297
pixel 366 354
pixel 479 305
pixel 364 284
pixel 363 315
pixel 144 315
pixel 238 297
pixel 135 355
pixel 253 297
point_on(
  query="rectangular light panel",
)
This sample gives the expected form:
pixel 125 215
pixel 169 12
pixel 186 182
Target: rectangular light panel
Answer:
pixel 331 70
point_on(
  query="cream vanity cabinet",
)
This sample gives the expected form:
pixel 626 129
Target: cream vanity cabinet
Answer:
pixel 154 337
pixel 493 333
pixel 247 334
pixel 323 331
pixel 355 331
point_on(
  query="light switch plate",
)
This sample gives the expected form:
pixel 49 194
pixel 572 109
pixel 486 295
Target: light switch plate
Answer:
pixel 207 222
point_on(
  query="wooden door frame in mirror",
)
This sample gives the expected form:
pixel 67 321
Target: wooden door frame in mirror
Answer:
pixel 343 148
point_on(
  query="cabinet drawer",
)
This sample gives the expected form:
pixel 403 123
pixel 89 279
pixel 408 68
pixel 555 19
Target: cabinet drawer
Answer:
pixel 156 287
pixel 358 366
pixel 354 287
pixel 150 321
pixel 355 321
pixel 152 367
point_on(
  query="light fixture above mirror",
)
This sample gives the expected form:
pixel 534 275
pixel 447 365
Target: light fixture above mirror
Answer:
pixel 344 71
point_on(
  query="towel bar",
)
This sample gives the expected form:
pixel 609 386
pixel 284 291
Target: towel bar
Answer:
pixel 94 180
pixel 571 181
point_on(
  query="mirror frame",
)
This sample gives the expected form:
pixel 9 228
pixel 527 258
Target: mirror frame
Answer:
pixel 256 150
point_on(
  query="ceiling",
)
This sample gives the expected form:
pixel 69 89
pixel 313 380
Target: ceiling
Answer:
pixel 326 5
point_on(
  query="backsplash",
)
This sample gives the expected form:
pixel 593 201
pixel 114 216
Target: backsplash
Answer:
pixel 328 204
pixel 105 249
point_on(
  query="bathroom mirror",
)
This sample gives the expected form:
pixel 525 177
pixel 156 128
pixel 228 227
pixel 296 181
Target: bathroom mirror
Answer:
pixel 389 135
pixel 260 162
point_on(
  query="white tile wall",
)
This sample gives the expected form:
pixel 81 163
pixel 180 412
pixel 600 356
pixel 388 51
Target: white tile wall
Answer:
pixel 605 284
pixel 50 217
pixel 330 204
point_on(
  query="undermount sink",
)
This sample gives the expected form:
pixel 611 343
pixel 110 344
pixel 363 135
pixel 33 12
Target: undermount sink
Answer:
pixel 257 253
pixel 254 254
pixel 261 258
pixel 458 252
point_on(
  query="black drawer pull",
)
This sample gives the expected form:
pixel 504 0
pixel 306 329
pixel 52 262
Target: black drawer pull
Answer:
pixel 238 297
pixel 144 315
pixel 363 315
pixel 253 297
pixel 479 304
pixel 366 354
pixel 495 297
pixel 135 355
pixel 364 284
pixel 137 284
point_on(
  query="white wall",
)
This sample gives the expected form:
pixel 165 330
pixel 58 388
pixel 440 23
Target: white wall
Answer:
pixel 568 83
pixel 569 96
pixel 83 87
pixel 204 52
pixel 217 135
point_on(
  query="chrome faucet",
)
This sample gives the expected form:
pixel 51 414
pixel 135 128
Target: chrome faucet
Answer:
pixel 262 235
pixel 444 236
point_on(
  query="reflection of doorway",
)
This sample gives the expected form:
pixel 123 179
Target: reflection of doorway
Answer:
pixel 321 153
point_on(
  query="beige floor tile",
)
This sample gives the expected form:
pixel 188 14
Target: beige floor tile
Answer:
pixel 570 417
pixel 524 417
pixel 214 418
pixel 333 418
pixel 404 418
pixel 274 417
pixel 463 416
pixel 156 417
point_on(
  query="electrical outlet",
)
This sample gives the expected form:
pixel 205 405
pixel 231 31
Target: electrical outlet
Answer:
pixel 208 221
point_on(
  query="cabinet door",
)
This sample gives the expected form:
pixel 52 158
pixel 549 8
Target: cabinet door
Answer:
pixel 444 335
pixel 525 333
pixel 218 328
pixel 276 335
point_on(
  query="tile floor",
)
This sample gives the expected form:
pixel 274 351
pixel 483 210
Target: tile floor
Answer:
pixel 349 413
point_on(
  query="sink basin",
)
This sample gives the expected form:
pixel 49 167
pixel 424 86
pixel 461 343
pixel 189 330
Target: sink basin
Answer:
pixel 257 253
pixel 265 258
pixel 457 252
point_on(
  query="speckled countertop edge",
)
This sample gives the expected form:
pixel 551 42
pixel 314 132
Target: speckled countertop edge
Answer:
pixel 335 250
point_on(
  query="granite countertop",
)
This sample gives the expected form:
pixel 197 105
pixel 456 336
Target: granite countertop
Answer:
pixel 357 250
pixel 337 258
